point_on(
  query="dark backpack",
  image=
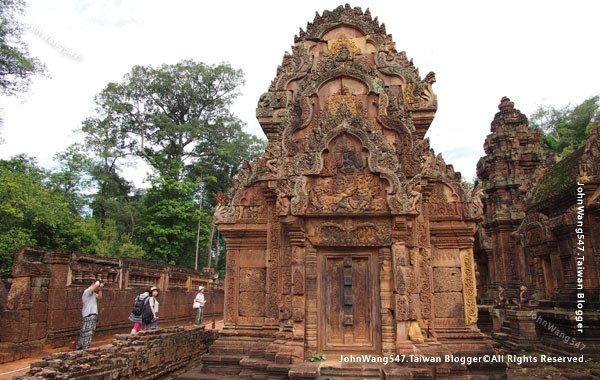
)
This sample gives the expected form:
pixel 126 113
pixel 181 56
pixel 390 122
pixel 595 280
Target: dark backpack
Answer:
pixel 147 315
pixel 138 306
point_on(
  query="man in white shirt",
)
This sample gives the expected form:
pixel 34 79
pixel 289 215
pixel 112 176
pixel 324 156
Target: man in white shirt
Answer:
pixel 89 312
pixel 199 305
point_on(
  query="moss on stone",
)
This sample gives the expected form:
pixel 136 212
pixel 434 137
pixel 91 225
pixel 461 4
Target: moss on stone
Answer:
pixel 558 179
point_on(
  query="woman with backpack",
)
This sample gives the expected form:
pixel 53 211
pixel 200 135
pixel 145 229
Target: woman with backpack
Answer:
pixel 136 314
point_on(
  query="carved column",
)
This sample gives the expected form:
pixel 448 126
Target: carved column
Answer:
pixel 273 259
pixel 387 298
pixel 294 287
pixel 311 344
pixel 400 262
pixel 230 309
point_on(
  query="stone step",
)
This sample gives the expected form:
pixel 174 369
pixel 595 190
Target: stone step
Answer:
pixel 259 368
pixel 354 372
pixel 197 373
pixel 221 364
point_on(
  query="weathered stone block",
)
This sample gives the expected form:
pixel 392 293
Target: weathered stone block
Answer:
pixel 74 298
pixel 39 312
pixel 63 319
pixel 39 294
pixel 445 257
pixel 57 298
pixel 447 279
pixel 449 305
pixel 59 276
pixel 40 282
pixel 13 326
pixel 252 304
pixel 19 296
pixel 37 331
pixel 252 279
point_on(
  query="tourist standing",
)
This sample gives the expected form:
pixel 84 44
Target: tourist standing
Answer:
pixel 89 312
pixel 135 318
pixel 154 305
pixel 199 306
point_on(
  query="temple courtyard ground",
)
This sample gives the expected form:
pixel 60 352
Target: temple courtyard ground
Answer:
pixel 589 371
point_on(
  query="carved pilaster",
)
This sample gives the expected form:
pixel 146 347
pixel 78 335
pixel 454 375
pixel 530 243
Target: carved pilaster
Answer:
pixel 387 298
pixel 311 302
pixel 230 288
pixel 468 284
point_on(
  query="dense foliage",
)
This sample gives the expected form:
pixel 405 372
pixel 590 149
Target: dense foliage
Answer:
pixel 176 119
pixel 566 129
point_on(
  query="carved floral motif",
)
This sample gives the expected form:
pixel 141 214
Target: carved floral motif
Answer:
pixel 469 286
pixel 349 233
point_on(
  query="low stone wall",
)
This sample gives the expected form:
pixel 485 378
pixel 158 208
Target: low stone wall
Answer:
pixel 549 331
pixel 557 332
pixel 147 355
pixel 43 305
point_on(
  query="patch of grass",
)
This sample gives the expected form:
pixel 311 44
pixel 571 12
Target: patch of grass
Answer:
pixel 318 357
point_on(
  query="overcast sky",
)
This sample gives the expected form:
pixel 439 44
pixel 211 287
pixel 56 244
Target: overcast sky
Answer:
pixel 535 52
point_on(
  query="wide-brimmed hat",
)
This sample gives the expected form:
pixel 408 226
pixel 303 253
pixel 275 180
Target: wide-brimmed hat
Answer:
pixel 201 287
pixel 154 288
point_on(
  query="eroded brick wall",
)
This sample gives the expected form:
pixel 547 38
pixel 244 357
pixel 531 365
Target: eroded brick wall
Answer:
pixel 43 305
pixel 146 355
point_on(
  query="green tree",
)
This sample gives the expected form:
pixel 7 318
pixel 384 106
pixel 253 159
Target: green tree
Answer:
pixel 168 221
pixel 566 129
pixel 177 119
pixel 116 198
pixel 16 65
pixel 175 116
pixel 72 175
pixel 33 211
pixel 37 209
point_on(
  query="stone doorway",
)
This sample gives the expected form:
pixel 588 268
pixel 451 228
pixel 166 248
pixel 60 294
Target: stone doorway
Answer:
pixel 348 302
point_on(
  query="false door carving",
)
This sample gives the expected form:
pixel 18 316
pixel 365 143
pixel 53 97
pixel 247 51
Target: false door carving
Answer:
pixel 348 302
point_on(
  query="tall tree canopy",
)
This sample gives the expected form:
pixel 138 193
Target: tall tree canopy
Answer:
pixel 177 119
pixel 16 65
pixel 566 129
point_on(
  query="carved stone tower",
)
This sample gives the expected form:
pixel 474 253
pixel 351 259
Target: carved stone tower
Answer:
pixel 348 235
pixel 513 165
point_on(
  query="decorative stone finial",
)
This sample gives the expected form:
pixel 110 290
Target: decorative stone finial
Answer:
pixel 506 104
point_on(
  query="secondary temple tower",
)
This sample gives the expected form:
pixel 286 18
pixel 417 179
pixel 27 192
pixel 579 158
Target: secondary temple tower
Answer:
pixel 513 165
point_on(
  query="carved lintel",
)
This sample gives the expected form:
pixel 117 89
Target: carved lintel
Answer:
pixel 350 232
